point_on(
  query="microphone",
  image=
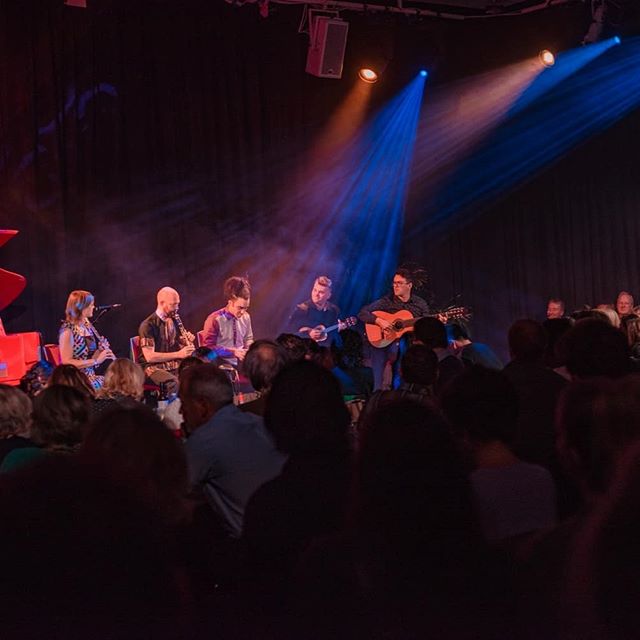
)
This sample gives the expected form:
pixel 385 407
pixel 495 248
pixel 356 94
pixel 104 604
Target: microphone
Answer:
pixel 106 307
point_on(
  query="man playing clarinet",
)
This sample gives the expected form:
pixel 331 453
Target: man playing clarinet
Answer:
pixel 161 344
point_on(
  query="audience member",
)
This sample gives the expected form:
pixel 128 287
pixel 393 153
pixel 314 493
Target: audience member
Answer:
pixel 36 379
pixel 624 304
pixel 229 453
pixel 123 386
pixel 294 346
pixel 308 420
pixel 60 417
pixel 136 451
pixel 264 360
pixel 601 588
pixel 433 334
pixel 555 309
pixel 598 420
pixel 511 497
pixel 538 388
pixel 419 374
pixel 554 357
pixel 82 557
pixel 609 313
pixel 472 352
pixel 15 420
pixel 355 379
pixel 412 558
pixel 70 376
pixel 169 411
pixel 594 349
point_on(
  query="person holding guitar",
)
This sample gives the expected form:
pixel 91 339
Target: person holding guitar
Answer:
pixel 316 318
pixel 402 299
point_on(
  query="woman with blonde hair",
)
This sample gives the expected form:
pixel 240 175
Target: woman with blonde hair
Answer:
pixel 123 385
pixel 80 344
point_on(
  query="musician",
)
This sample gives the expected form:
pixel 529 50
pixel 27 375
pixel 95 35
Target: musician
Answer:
pixel 228 330
pixel 79 342
pixel 161 344
pixel 315 311
pixel 401 298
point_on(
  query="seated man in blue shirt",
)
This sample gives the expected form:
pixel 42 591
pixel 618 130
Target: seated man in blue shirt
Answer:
pixel 229 453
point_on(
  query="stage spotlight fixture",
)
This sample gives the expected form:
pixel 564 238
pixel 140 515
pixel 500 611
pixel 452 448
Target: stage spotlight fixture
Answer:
pixel 424 73
pixel 547 58
pixel 368 75
pixel 616 40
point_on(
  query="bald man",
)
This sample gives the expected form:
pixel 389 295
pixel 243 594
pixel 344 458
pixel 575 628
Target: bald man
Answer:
pixel 160 342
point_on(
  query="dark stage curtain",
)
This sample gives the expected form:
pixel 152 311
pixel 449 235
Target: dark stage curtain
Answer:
pixel 149 143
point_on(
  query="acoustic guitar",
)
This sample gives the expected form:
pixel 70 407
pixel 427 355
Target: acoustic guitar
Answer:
pixel 402 322
pixel 325 331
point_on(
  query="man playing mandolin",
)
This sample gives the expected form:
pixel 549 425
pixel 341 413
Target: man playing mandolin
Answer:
pixel 309 317
pixel 402 299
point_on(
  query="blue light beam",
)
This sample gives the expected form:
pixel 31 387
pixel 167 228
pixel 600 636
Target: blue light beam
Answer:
pixel 586 103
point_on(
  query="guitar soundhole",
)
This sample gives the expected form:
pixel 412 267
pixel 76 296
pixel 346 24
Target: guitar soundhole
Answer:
pixel 397 325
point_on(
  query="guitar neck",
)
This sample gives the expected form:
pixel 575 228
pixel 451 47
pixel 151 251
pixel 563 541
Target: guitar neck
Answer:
pixel 333 327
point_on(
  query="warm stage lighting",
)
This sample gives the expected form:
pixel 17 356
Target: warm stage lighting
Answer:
pixel 547 58
pixel 424 73
pixel 368 75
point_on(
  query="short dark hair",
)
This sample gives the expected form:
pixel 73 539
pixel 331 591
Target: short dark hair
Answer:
pixel 483 403
pixel 237 287
pixel 138 451
pixel 431 332
pixel 597 419
pixel 294 346
pixel 527 340
pixel 70 376
pixel 60 416
pixel 595 348
pixel 263 362
pixel 305 410
pixel 207 382
pixel 419 365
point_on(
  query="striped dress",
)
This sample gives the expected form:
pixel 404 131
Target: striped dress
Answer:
pixel 84 344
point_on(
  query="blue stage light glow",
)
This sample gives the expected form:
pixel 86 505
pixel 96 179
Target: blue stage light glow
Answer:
pixel 616 40
pixel 343 216
pixel 369 237
pixel 424 73
pixel 561 108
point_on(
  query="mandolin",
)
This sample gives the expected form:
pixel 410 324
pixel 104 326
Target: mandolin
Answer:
pixel 325 331
pixel 402 322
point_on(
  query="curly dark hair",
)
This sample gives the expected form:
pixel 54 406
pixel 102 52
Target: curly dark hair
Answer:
pixel 237 287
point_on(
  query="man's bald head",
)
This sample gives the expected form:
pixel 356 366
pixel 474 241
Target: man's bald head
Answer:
pixel 168 299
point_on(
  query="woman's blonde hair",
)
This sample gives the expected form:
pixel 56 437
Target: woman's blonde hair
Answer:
pixel 123 377
pixel 77 302
pixel 15 412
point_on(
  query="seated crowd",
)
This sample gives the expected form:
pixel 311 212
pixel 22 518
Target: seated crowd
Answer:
pixel 474 500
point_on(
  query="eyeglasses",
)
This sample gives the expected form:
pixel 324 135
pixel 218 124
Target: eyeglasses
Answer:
pixel 398 283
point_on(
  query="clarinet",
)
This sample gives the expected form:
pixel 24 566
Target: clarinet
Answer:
pixel 101 341
pixel 187 338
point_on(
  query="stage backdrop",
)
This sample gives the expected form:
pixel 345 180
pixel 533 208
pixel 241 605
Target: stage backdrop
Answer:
pixel 153 143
